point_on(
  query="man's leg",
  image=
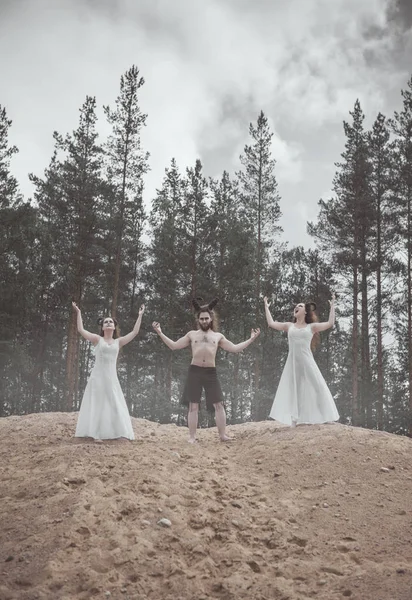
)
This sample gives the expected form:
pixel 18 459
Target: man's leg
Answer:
pixel 191 398
pixel 192 419
pixel 220 417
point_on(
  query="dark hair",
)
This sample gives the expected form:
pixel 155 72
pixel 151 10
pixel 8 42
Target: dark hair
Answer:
pixel 311 317
pixel 100 323
pixel 199 308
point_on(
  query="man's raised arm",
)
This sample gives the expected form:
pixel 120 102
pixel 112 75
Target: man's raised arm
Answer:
pixel 230 347
pixel 182 342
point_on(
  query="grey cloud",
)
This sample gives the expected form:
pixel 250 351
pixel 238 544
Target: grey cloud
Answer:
pixel 400 11
pixel 233 118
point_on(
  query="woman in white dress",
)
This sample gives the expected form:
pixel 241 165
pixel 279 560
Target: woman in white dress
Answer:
pixel 302 395
pixel 103 412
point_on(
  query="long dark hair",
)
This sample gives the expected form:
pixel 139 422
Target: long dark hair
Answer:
pixel 199 308
pixel 311 317
pixel 100 323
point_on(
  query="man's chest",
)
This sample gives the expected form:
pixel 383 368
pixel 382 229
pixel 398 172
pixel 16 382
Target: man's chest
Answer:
pixel 205 339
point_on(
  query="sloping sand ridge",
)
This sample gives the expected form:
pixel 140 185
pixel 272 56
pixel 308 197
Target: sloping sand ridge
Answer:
pixel 313 512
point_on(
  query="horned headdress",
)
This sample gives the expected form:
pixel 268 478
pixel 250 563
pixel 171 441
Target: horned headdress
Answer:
pixel 311 306
pixel 207 307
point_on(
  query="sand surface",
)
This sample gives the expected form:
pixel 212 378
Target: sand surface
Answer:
pixel 313 512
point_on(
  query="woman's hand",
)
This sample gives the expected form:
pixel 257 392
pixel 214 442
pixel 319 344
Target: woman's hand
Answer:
pixel 156 327
pixel 254 333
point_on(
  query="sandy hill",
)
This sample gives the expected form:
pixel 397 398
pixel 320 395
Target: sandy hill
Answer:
pixel 315 512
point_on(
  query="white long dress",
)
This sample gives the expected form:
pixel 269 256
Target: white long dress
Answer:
pixel 103 412
pixel 302 395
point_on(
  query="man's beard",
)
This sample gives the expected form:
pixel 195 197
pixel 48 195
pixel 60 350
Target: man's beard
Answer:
pixel 205 327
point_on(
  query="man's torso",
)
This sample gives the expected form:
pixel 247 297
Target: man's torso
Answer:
pixel 204 347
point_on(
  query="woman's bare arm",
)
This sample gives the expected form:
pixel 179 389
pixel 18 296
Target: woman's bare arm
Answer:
pixel 271 323
pixel 125 339
pixel 330 322
pixel 91 337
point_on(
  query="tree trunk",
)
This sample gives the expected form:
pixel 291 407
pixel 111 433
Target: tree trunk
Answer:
pixel 365 354
pixel 73 347
pixel 256 408
pixel 71 360
pixel 37 386
pixel 194 248
pixel 355 399
pixel 120 227
pixel 409 280
pixel 379 400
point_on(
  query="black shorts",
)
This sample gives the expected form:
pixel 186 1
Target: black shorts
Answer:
pixel 199 378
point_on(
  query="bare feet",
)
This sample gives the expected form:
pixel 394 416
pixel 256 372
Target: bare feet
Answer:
pixel 293 423
pixel 192 440
pixel 226 438
pixel 96 441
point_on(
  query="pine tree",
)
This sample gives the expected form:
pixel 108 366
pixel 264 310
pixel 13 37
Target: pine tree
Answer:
pixel 166 282
pixel 70 200
pixel 232 246
pixel 401 126
pixel 17 240
pixel 232 259
pixel 126 166
pixel 196 231
pixel 260 195
pixel 343 233
pixel 51 292
pixel 385 239
pixel 9 194
pixel 261 203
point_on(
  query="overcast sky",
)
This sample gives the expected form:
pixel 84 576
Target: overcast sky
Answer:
pixel 210 66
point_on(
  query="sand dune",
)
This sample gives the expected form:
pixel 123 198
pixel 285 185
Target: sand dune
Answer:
pixel 315 512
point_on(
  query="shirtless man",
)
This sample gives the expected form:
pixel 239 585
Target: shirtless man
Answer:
pixel 202 371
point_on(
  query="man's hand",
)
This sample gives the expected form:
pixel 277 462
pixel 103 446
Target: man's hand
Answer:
pixel 76 308
pixel 156 327
pixel 141 310
pixel 265 300
pixel 332 302
pixel 254 333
